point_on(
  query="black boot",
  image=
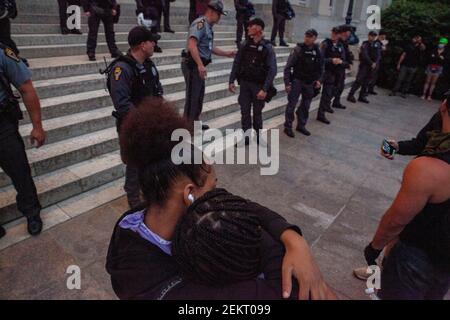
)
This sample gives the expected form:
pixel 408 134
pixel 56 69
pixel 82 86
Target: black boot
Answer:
pixel 273 43
pixel 34 225
pixel 76 31
pixel 91 56
pixel 329 110
pixel 283 43
pixel 304 131
pixel 372 92
pixel 168 30
pixel 339 106
pixel 351 98
pixel 363 100
pixel 289 132
pixel 323 119
pixel 65 31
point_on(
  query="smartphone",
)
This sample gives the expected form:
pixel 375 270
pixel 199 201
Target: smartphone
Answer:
pixel 387 148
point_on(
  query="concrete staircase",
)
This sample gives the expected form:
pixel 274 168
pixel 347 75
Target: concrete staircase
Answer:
pixel 80 168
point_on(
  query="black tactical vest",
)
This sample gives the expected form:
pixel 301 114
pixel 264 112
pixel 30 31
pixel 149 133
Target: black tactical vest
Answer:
pixel 334 51
pixel 308 67
pixel 253 66
pixel 430 231
pixel 372 49
pixel 144 84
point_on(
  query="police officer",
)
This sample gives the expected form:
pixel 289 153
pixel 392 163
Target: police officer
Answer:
pixel 302 75
pixel 344 35
pixel 13 158
pixel 255 68
pixel 382 43
pixel 131 78
pixel 200 47
pixel 333 53
pixel 151 10
pixel 279 8
pixel 244 10
pixel 370 56
pixel 166 14
pixel 96 11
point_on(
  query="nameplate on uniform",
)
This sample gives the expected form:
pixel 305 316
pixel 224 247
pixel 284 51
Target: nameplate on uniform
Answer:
pixel 117 73
pixel 11 54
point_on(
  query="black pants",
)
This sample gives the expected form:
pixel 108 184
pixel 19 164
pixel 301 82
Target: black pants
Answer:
pixel 63 4
pixel 94 23
pixel 339 88
pixel 331 81
pixel 363 79
pixel 307 91
pixel 279 24
pixel 166 14
pixel 14 162
pixel 195 91
pixel 5 35
pixel 241 20
pixel 247 100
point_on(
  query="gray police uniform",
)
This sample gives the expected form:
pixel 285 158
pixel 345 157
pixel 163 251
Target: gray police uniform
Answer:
pixel 370 54
pixel 195 87
pixel 333 73
pixel 13 158
pixel 129 82
pixel 304 67
pixel 255 67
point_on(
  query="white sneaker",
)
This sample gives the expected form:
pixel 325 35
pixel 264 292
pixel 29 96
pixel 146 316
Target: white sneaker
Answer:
pixel 361 273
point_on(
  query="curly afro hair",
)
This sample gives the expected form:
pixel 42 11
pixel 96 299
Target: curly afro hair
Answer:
pixel 145 142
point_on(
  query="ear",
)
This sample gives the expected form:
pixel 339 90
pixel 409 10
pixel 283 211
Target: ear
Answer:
pixel 188 189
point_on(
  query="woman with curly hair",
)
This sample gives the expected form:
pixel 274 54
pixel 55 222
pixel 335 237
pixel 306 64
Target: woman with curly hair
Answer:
pixel 140 257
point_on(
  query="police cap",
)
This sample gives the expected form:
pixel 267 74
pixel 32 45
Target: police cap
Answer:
pixel 141 34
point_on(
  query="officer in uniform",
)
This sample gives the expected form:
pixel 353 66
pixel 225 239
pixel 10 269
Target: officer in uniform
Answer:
pixel 131 78
pixel 151 10
pixel 200 47
pixel 13 158
pixel 302 75
pixel 382 44
pixel 344 35
pixel 96 11
pixel 333 53
pixel 255 68
pixel 370 56
pixel 279 8
pixel 244 10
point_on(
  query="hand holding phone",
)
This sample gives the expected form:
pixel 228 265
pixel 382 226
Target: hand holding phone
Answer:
pixel 388 149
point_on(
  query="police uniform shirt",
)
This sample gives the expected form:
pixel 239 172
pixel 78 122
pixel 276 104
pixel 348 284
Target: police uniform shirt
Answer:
pixel 17 73
pixel 202 31
pixel 13 69
pixel 303 51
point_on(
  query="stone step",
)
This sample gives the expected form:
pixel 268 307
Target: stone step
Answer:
pixel 40 18
pixel 80 48
pixel 57 67
pixel 171 76
pixel 66 182
pixel 57 155
pixel 58 39
pixel 49 28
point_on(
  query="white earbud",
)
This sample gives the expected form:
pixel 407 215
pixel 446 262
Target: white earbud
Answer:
pixel 191 198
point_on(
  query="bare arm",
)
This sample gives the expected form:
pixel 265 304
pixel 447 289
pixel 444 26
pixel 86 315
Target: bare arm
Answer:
pixel 193 50
pixel 31 101
pixel 219 52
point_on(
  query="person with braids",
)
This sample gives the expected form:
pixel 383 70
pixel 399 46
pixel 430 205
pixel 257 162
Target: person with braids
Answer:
pixel 219 242
pixel 139 258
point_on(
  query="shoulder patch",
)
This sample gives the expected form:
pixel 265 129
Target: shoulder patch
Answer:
pixel 117 73
pixel 10 54
pixel 200 25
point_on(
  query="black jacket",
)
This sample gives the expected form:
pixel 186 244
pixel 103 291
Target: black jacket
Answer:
pixel 140 270
pixel 416 145
pixel 105 4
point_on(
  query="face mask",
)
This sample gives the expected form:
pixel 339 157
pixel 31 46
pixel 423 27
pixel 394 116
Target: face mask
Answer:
pixel 441 46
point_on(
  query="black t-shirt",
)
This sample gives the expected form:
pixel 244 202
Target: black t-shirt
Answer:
pixel 412 58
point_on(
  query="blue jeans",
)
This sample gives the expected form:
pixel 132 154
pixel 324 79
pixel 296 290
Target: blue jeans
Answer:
pixel 408 274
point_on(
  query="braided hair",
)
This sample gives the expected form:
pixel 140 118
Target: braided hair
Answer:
pixel 218 241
